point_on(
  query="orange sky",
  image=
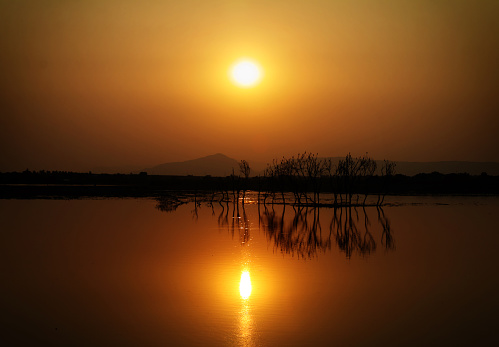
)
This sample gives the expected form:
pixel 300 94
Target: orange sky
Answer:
pixel 112 83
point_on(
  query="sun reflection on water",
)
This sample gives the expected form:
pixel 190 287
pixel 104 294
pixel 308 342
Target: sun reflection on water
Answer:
pixel 245 326
pixel 245 318
pixel 245 285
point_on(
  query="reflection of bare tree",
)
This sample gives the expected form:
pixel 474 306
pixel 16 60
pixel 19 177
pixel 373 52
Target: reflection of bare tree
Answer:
pixel 244 227
pixel 368 243
pixel 349 237
pixel 197 205
pixel 223 218
pixel 169 203
pixel 297 230
pixel 239 222
pixel 386 237
pixel 302 234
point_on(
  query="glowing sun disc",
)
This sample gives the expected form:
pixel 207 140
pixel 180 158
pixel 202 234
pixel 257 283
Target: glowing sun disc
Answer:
pixel 246 73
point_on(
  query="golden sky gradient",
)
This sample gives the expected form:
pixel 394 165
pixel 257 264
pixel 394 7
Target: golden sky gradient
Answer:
pixel 110 83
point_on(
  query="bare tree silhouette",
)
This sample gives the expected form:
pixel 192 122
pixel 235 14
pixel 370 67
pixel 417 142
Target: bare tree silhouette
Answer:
pixel 245 169
pixel 348 170
pixel 367 168
pixel 387 172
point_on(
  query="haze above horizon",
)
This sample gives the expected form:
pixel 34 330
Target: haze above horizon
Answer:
pixel 115 83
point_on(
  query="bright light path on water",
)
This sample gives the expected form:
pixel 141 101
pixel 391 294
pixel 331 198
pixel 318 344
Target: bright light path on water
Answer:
pixel 245 285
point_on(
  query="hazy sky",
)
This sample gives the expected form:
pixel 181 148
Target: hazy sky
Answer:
pixel 110 83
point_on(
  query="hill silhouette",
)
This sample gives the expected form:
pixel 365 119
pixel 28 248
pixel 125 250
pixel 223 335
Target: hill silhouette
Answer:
pixel 221 165
pixel 411 168
pixel 447 167
pixel 214 165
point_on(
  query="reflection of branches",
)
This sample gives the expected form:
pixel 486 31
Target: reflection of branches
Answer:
pixel 169 203
pixel 299 237
pixel 386 237
pixel 297 230
pixel 244 227
pixel 223 218
pixel 302 234
pixel 239 223
pixel 194 212
pixel 348 236
pixel 367 244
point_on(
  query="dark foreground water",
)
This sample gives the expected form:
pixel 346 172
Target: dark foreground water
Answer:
pixel 122 272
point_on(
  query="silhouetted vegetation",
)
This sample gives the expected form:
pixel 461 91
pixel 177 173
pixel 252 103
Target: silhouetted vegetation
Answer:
pixel 245 170
pixel 302 181
pixel 307 176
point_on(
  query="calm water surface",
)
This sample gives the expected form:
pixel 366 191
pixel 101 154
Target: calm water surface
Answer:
pixel 123 272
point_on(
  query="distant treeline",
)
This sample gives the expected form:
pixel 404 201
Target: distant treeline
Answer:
pixel 305 177
pixel 352 179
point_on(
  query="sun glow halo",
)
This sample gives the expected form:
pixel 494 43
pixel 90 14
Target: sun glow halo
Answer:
pixel 246 73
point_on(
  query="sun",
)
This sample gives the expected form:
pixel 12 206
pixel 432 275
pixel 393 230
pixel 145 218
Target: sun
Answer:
pixel 245 73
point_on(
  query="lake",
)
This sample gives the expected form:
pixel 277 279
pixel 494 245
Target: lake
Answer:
pixel 421 271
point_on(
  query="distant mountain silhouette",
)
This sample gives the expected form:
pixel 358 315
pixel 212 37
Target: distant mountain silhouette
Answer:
pixel 221 165
pixel 214 165
pixel 410 168
pixel 447 167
